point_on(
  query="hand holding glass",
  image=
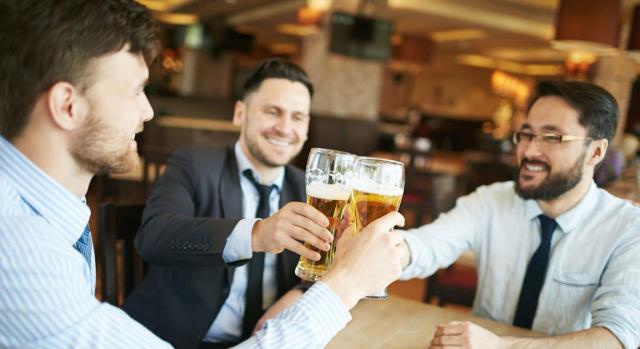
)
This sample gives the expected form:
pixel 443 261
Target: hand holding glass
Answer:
pixel 327 185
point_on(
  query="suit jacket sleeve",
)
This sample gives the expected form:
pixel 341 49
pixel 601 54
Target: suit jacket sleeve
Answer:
pixel 171 232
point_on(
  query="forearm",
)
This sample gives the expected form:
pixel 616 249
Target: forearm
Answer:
pixel 595 338
pixel 170 239
pixel 310 323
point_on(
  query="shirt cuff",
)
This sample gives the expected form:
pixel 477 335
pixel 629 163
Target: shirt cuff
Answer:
pixel 412 269
pixel 627 338
pixel 238 246
pixel 325 308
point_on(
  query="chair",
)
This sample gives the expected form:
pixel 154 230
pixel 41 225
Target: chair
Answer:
pixel 119 223
pixel 154 162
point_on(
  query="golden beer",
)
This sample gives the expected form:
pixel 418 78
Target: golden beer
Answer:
pixel 378 185
pixel 370 205
pixel 331 200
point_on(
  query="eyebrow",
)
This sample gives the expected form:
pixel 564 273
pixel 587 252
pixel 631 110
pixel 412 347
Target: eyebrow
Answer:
pixel 549 128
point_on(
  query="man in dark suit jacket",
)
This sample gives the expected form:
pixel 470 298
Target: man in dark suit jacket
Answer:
pixel 199 231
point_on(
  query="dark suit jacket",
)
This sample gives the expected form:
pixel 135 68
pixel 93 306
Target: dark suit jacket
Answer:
pixel 193 208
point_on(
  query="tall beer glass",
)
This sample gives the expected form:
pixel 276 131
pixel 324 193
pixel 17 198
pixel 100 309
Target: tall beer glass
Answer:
pixel 378 185
pixel 327 180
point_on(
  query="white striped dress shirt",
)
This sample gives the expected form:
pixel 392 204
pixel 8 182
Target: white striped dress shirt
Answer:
pixel 47 288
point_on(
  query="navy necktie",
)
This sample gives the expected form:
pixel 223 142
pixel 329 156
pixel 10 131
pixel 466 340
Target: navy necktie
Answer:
pixel 253 306
pixel 534 277
pixel 85 244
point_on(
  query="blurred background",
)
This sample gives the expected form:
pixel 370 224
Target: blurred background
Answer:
pixel 437 84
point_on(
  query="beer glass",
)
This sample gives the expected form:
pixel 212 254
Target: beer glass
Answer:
pixel 378 185
pixel 327 180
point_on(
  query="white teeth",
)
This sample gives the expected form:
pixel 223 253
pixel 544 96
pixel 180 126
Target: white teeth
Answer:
pixel 278 142
pixel 534 168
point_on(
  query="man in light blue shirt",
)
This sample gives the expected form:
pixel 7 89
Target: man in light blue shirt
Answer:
pixel 554 253
pixel 72 75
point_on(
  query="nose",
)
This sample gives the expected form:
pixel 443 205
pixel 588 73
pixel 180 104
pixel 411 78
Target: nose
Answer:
pixel 284 124
pixel 531 149
pixel 145 109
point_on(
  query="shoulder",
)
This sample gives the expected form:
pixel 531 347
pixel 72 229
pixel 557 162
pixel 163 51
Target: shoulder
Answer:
pixel 497 193
pixel 295 172
pixel 620 212
pixel 200 153
pixel 295 176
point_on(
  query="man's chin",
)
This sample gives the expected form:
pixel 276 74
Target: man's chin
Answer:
pixel 123 164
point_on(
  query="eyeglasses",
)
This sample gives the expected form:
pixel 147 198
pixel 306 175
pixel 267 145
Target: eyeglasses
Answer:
pixel 545 138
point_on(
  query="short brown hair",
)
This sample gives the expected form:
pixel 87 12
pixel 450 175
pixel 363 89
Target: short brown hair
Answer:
pixel 275 68
pixel 46 41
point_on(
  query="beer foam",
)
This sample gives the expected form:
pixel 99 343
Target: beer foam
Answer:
pixel 328 191
pixel 369 186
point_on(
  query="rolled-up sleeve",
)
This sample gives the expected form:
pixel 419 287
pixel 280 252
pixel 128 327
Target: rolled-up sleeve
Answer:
pixel 616 304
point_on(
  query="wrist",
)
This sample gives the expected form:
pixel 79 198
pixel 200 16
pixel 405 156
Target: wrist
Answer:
pixel 342 285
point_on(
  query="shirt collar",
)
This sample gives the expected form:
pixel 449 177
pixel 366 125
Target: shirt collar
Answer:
pixel 48 198
pixel 569 220
pixel 244 163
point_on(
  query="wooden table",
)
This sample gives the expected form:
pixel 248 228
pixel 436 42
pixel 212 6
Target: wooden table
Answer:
pixel 402 323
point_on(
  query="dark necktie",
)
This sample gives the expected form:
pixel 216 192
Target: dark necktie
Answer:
pixel 534 278
pixel 253 305
pixel 84 245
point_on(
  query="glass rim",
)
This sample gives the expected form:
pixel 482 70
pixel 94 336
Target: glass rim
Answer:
pixel 367 158
pixel 333 151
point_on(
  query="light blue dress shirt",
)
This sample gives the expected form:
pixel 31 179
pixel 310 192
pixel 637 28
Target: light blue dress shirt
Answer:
pixel 47 288
pixel 227 326
pixel 593 277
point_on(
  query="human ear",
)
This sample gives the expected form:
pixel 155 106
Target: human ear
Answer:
pixel 239 113
pixel 598 151
pixel 65 105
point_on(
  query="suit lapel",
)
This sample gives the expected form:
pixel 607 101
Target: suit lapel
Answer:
pixel 230 190
pixel 287 260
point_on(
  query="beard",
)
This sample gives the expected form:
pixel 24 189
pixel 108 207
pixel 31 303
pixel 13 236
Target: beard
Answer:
pixel 554 185
pixel 99 148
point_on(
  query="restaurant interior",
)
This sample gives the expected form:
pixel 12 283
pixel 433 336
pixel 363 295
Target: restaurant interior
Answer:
pixel 440 85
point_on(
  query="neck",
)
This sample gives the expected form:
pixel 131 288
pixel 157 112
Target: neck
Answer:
pixel 50 155
pixel 565 202
pixel 267 173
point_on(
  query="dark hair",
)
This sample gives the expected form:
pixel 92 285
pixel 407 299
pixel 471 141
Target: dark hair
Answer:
pixel 597 108
pixel 46 41
pixel 275 68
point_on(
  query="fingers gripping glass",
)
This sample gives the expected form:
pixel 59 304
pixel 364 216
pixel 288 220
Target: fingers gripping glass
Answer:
pixel 545 138
pixel 327 184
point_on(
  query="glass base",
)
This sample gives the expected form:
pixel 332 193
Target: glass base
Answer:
pixel 311 274
pixel 379 295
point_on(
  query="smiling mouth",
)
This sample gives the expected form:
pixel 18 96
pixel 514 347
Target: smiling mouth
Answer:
pixel 532 167
pixel 279 142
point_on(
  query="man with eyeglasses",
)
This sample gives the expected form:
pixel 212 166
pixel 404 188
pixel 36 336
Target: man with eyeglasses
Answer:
pixel 554 253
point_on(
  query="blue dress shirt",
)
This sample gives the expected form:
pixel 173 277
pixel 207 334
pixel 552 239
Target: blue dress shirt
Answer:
pixel 46 285
pixel 47 288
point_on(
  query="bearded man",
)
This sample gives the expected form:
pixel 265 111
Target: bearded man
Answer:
pixel 554 253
